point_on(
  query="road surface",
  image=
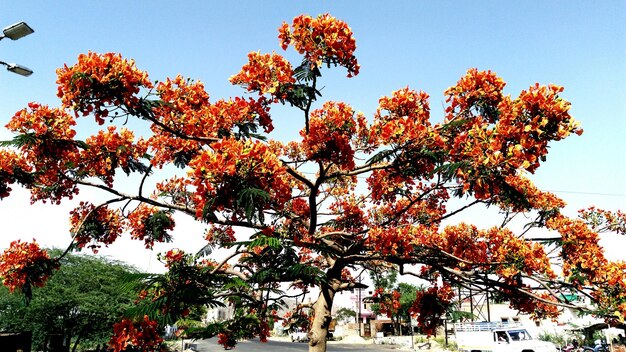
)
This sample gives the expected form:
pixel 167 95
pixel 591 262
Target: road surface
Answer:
pixel 211 345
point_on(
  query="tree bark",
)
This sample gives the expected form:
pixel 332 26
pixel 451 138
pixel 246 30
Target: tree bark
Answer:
pixel 321 320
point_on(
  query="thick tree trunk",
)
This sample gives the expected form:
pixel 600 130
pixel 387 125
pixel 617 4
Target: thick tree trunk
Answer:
pixel 321 320
pixel 397 329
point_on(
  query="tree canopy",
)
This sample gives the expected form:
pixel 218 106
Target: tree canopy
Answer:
pixel 349 193
pixel 395 299
pixel 79 303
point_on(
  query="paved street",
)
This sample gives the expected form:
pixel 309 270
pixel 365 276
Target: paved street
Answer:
pixel 285 346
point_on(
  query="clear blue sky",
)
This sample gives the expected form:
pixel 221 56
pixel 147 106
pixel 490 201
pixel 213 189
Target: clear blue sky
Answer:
pixel 425 45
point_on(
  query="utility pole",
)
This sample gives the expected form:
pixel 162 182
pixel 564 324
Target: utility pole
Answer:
pixel 359 303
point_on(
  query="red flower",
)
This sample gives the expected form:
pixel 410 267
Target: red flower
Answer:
pixel 226 340
pixel 149 224
pixel 265 74
pixel 100 80
pixel 24 265
pixel 331 130
pixel 174 256
pixel 141 335
pixel 430 305
pixel 219 173
pixel 324 39
pixel 95 226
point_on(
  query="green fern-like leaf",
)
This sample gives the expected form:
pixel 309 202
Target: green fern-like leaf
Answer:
pixel 20 140
pixel 383 155
pixel 448 171
pixel 182 159
pixel 251 200
pixel 135 165
pixel 264 241
pixel 206 250
pixel 304 72
pixel 235 284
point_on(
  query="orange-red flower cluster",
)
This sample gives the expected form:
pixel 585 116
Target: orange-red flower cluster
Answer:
pixel 144 224
pixel 107 151
pixel 603 220
pixel 263 330
pixel 43 122
pixel 220 235
pixel 477 90
pixel 24 265
pixel 265 73
pixel 526 125
pixel 481 248
pixel 226 114
pixel 533 198
pixel 49 151
pixel 300 207
pixel 99 80
pixel 583 258
pixel 184 105
pixel 93 226
pixel 394 241
pixel 142 336
pixel 537 309
pixel 430 305
pixel 13 167
pixel 175 189
pixel 174 257
pixel 226 340
pixel 331 129
pixel 297 319
pixel 232 165
pixel 384 185
pixel 388 303
pixel 611 293
pixel 324 39
pixel 403 118
pixel 495 137
pixel 393 207
pixel 167 149
pixel 186 111
pixel 350 215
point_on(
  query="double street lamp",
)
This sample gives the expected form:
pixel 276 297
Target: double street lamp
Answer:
pixel 15 32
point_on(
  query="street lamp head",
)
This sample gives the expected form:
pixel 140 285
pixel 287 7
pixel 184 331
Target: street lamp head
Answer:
pixel 19 69
pixel 16 31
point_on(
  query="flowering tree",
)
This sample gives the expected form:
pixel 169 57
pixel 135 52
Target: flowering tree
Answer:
pixel 349 193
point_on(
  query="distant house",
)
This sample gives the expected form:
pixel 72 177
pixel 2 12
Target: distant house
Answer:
pixel 219 314
pixel 502 312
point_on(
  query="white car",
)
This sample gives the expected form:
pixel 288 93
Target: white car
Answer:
pixel 299 336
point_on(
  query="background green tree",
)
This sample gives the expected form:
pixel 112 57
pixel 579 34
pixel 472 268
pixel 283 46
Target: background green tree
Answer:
pixel 79 304
pixel 385 282
pixel 383 278
pixel 344 314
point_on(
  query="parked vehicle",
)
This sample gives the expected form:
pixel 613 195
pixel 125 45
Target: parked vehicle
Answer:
pixel 573 346
pixel 299 336
pixel 600 346
pixel 498 337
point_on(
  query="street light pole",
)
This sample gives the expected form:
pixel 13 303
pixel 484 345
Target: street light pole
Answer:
pixel 15 32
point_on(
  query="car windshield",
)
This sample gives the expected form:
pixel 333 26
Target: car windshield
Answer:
pixel 519 335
